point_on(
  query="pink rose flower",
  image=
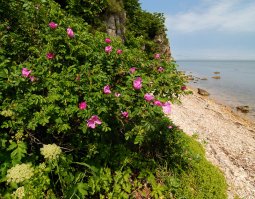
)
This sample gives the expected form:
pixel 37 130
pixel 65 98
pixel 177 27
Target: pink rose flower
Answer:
pixel 119 51
pixel 70 32
pixel 32 78
pixel 108 49
pixel 53 25
pixel 148 97
pixel 170 127
pixel 107 40
pixel 50 55
pixel 157 103
pixel 91 123
pixel 166 108
pixel 124 114
pixel 137 83
pixel 183 88
pixel 107 89
pixel 25 72
pixel 157 56
pixel 161 69
pixel 117 94
pixel 82 105
pixel 132 70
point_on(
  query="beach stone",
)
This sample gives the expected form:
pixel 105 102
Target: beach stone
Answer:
pixel 216 77
pixel 190 78
pixel 243 109
pixel 204 78
pixel 203 92
pixel 216 72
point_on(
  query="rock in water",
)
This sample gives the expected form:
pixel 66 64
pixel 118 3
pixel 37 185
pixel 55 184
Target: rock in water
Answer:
pixel 216 77
pixel 204 78
pixel 203 92
pixel 216 72
pixel 243 109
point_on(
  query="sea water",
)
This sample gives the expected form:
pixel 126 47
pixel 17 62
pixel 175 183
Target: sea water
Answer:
pixel 236 86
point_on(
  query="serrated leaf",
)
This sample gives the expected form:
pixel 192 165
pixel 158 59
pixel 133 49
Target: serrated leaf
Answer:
pixel 82 189
pixel 19 152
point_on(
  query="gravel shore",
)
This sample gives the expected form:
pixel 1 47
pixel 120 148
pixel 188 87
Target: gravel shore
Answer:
pixel 229 139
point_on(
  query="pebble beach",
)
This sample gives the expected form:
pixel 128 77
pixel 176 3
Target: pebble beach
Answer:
pixel 228 138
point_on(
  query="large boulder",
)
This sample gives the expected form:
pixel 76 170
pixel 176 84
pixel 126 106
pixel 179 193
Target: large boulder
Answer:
pixel 190 78
pixel 243 109
pixel 203 92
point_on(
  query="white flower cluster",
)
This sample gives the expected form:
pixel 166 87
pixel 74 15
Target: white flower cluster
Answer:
pixel 7 113
pixel 19 193
pixel 51 151
pixel 42 166
pixel 20 173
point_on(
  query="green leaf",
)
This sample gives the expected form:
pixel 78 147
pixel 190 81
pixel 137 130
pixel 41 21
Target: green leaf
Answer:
pixel 20 150
pixel 82 189
pixel 92 168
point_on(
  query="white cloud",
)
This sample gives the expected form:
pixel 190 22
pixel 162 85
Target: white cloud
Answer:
pixel 221 15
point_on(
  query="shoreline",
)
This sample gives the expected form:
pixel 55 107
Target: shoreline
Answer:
pixel 229 107
pixel 228 138
pixel 228 82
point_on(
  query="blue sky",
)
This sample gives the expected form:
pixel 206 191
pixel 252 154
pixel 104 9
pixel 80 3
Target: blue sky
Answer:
pixel 208 29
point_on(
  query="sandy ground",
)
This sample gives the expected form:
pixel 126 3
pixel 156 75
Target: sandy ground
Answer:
pixel 229 139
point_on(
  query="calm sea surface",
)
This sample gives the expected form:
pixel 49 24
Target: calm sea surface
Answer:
pixel 236 86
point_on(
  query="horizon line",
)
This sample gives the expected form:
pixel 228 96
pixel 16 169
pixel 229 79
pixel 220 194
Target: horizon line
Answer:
pixel 193 59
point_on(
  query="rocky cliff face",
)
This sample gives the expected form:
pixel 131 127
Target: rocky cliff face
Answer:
pixel 115 24
pixel 163 45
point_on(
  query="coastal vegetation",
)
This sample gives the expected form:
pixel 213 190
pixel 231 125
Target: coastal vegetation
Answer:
pixel 82 114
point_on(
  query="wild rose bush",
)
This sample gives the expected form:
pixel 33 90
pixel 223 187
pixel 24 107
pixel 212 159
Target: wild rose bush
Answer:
pixel 79 104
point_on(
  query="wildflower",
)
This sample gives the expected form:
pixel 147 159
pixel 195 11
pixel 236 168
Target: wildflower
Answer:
pixel 25 72
pixel 32 78
pixel 7 113
pixel 107 89
pixel 107 40
pixel 19 173
pixel 91 123
pixel 117 94
pixel 137 83
pixel 53 25
pixel 161 69
pixel 82 105
pixel 70 32
pixel 124 114
pixel 157 103
pixel 170 127
pixel 119 51
pixel 19 193
pixel 148 97
pixel 50 151
pixel 166 108
pixel 50 55
pixel 183 88
pixel 108 49
pixel 42 166
pixel 157 56
pixel 132 70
